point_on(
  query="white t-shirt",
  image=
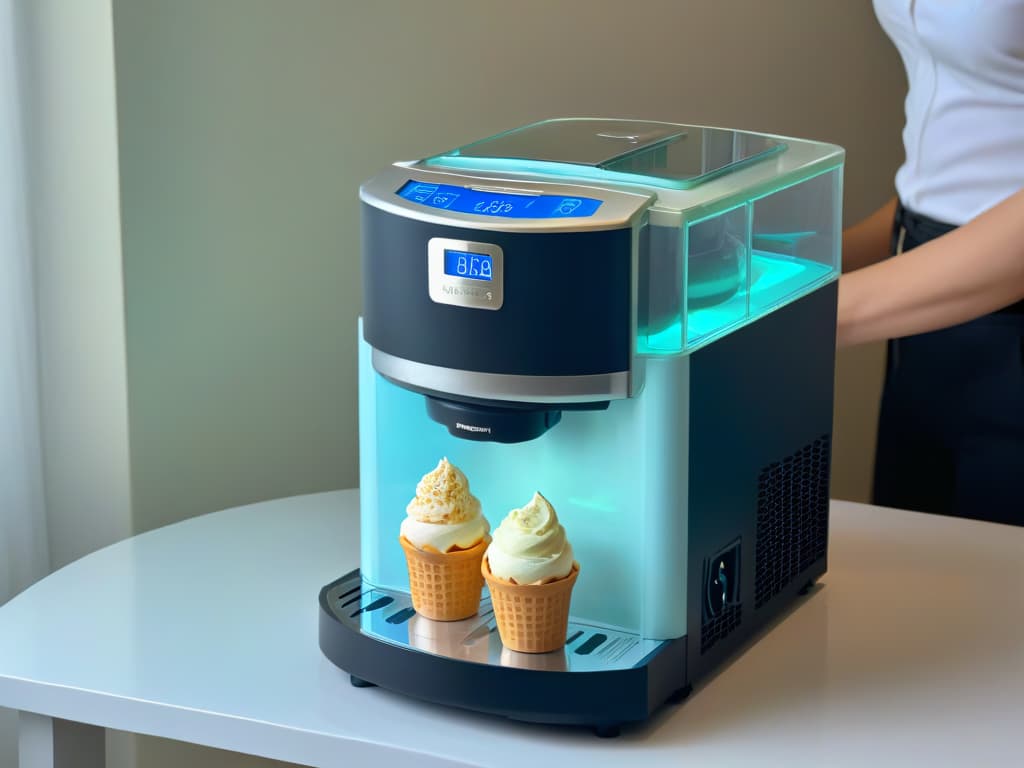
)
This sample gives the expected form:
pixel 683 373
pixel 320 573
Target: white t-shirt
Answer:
pixel 964 135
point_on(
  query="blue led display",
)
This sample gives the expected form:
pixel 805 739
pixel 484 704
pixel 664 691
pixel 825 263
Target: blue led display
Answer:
pixel 476 266
pixel 465 200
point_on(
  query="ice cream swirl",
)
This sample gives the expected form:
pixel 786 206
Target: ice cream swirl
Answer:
pixel 530 546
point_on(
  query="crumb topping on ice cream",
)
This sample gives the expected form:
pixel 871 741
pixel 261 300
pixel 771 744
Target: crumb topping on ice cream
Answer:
pixel 444 515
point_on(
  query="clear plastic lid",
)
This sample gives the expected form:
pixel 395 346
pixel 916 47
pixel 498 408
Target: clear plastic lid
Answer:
pixel 642 152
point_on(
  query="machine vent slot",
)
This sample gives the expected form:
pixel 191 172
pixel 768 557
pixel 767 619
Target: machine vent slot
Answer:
pixel 591 644
pixel 792 518
pixel 376 605
pixel 716 628
pixel 400 617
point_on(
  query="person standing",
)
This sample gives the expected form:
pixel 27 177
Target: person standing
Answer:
pixel 950 297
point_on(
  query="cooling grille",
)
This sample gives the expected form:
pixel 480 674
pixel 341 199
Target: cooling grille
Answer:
pixel 792 518
pixel 713 630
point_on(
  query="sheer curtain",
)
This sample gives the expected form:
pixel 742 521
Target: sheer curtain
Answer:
pixel 23 545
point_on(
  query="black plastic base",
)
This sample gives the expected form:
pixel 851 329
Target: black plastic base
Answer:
pixel 602 700
pixel 681 695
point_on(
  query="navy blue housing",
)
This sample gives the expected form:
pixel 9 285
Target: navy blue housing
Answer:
pixel 566 310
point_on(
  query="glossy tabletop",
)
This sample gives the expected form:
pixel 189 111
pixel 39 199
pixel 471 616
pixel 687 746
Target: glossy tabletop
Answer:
pixel 911 652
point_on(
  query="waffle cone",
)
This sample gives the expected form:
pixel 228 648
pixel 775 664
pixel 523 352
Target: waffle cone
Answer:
pixel 445 586
pixel 532 618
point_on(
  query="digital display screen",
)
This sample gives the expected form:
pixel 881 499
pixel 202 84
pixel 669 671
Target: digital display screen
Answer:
pixel 476 266
pixel 510 206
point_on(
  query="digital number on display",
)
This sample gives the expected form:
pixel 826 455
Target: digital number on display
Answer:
pixel 476 266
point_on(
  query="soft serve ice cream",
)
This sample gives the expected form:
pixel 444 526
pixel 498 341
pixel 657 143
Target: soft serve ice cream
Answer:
pixel 444 516
pixel 444 538
pixel 530 571
pixel 530 546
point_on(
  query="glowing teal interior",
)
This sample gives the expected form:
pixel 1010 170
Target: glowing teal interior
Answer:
pixel 614 477
pixel 740 263
pixel 774 281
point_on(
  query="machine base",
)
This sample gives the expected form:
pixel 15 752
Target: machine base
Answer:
pixel 603 678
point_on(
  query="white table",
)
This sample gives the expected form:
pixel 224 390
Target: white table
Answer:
pixel 912 653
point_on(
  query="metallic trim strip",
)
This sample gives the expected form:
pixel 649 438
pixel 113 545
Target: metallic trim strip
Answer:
pixel 501 386
pixel 637 365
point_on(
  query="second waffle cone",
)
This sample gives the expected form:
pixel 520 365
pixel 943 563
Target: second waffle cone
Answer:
pixel 532 618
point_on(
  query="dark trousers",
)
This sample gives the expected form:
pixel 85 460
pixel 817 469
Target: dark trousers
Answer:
pixel 951 428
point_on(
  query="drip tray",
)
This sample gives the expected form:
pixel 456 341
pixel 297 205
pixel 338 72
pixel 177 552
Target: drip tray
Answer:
pixel 389 616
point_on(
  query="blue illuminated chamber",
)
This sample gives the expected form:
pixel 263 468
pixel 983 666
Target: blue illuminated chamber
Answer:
pixel 622 562
pixel 510 206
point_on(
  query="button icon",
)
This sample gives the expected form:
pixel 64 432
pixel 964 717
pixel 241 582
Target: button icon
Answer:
pixel 422 192
pixel 567 206
pixel 443 200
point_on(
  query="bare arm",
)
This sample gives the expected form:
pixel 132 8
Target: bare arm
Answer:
pixel 867 241
pixel 965 274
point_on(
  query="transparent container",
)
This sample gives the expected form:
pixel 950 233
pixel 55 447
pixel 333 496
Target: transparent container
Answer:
pixel 742 222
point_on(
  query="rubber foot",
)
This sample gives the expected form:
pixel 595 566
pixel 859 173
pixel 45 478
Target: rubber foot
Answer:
pixel 679 696
pixel 358 682
pixel 609 731
pixel 806 588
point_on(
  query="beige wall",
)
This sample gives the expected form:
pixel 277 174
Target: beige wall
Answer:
pixel 245 127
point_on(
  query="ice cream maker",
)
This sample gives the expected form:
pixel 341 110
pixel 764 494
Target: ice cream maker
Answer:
pixel 638 320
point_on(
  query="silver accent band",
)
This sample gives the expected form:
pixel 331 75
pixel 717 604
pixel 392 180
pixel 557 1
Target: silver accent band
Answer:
pixel 502 386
